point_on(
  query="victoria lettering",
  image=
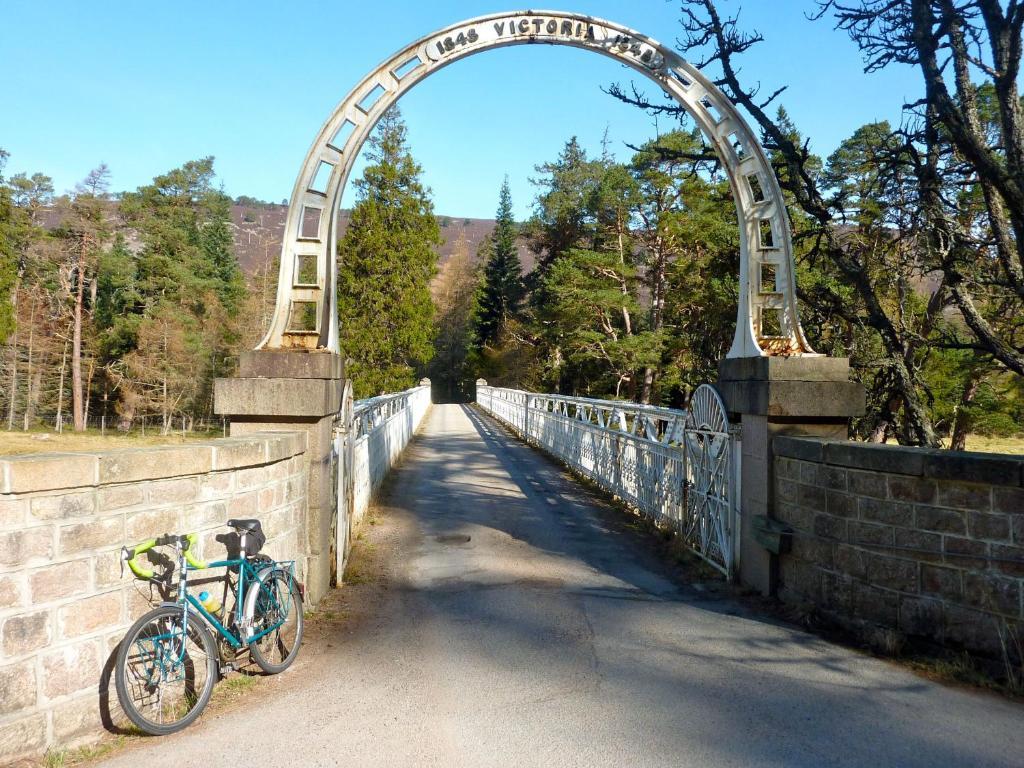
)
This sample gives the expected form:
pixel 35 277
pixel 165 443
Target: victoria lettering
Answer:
pixel 564 28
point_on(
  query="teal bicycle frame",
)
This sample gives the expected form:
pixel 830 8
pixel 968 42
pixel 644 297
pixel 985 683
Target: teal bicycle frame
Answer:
pixel 248 577
pixel 246 574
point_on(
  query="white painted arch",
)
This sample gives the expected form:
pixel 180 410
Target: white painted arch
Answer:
pixel 306 315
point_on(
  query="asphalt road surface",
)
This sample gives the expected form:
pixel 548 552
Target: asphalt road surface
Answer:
pixel 499 616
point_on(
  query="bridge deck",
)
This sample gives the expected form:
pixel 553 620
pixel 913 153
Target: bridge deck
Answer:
pixel 551 638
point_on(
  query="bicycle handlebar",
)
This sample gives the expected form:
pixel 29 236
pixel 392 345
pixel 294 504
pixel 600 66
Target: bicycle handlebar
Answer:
pixel 187 542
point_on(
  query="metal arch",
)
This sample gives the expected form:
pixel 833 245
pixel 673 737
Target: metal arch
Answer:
pixel 767 322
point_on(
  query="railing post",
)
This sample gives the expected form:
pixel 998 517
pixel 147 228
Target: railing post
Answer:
pixel 526 416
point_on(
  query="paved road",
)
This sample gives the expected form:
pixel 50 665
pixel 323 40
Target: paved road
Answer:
pixel 501 621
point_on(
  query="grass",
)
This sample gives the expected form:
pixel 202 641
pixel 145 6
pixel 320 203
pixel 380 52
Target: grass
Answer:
pixel 354 575
pixel 238 683
pixel 17 443
pixel 996 444
pixel 61 758
pixel 956 669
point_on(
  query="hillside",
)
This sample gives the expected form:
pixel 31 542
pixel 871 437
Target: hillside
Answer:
pixel 258 230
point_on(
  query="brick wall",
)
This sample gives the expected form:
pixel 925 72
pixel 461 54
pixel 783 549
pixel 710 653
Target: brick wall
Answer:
pixel 928 544
pixel 64 603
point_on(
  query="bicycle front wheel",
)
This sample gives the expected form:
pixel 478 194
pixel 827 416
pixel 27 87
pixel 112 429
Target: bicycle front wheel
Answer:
pixel 165 674
pixel 275 605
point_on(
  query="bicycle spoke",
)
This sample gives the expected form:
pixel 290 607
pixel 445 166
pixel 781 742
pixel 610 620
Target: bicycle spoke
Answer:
pixel 163 672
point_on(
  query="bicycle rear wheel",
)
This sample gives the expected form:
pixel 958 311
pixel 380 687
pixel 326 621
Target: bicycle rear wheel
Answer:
pixel 275 606
pixel 165 674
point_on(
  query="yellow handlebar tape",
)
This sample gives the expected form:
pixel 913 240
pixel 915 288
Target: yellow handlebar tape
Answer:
pixel 143 572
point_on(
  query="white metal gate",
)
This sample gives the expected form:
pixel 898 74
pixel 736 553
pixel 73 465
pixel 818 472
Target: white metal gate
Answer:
pixel 678 467
pixel 711 522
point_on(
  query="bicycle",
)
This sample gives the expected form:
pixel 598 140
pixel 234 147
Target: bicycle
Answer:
pixel 170 658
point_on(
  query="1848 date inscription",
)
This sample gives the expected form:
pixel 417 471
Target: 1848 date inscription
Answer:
pixel 451 42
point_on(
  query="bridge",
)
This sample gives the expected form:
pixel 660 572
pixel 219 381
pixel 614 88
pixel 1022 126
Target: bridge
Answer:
pixel 504 607
pixel 502 613
pixel 522 621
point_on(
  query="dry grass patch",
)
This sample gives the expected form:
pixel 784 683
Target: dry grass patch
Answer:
pixel 22 443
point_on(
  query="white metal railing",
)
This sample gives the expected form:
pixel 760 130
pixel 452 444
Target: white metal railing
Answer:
pixel 369 436
pixel 678 467
pixel 381 429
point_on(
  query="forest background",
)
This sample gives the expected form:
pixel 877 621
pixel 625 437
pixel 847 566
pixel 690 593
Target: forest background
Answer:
pixel 119 308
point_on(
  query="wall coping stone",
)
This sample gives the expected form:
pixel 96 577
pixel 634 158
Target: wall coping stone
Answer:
pixel 775 368
pixel 964 466
pixel 37 472
pixel 307 399
pixel 291 364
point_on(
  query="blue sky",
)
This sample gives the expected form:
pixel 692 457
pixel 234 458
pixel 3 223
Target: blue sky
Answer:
pixel 146 86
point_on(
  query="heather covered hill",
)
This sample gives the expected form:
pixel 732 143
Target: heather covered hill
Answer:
pixel 258 228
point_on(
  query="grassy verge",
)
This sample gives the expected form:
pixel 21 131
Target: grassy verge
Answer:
pixel 21 443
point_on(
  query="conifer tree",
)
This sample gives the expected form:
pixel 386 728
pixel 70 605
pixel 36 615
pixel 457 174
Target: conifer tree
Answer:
pixel 167 315
pixel 387 260
pixel 502 291
pixel 8 259
pixel 455 298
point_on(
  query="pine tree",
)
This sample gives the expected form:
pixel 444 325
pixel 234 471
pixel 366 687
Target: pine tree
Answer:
pixel 561 221
pixel 454 296
pixel 8 259
pixel 217 243
pixel 502 290
pixel 181 292
pixel 387 261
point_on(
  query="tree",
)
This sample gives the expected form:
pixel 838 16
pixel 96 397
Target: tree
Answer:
pixel 587 306
pixel 84 233
pixel 8 256
pixel 181 291
pixel 217 243
pixel 502 289
pixel 386 316
pixel 454 294
pixel 561 218
pixel 22 198
pixel 952 43
pixel 686 238
pixel 690 249
pixel 915 173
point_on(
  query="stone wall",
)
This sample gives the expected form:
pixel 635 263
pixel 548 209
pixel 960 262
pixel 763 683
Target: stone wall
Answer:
pixel 927 545
pixel 64 602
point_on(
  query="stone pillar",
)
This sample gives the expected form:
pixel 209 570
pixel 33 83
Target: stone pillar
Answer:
pixel 772 396
pixel 301 391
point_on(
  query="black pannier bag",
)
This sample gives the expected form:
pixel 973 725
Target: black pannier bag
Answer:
pixel 253 540
pixel 250 536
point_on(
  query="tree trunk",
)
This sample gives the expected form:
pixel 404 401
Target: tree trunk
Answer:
pixel 60 388
pixel 32 387
pixel 961 425
pixel 886 420
pixel 164 388
pixel 88 388
pixel 13 394
pixel 76 344
pixel 657 286
pixel 627 321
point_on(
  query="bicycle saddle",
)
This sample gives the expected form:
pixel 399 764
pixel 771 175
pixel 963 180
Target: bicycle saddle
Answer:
pixel 245 525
